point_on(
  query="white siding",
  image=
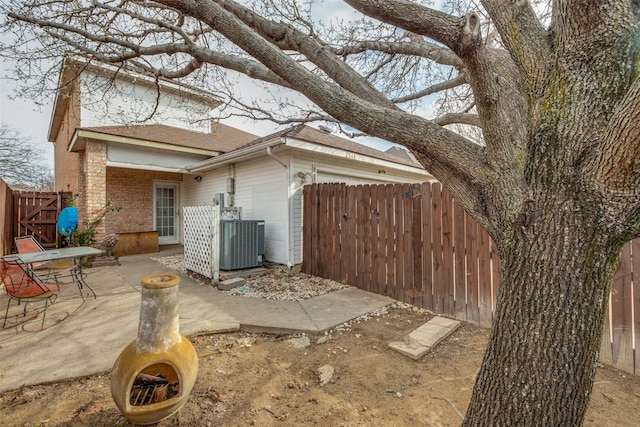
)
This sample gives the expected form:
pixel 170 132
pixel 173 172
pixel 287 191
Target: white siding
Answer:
pixel 106 102
pixel 261 192
pixel 261 187
pixel 202 193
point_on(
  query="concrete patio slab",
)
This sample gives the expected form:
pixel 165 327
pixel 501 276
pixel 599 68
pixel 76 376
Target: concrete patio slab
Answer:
pixel 91 334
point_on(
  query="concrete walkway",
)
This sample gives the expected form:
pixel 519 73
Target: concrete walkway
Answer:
pixel 84 338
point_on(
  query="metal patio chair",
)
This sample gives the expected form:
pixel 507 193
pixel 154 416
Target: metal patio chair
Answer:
pixel 24 285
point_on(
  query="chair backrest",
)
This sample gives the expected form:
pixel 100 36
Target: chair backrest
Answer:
pixel 27 244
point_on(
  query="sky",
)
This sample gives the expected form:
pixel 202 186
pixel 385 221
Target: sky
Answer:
pixel 32 123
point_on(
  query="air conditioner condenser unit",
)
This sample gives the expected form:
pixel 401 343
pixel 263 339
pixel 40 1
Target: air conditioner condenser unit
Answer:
pixel 241 244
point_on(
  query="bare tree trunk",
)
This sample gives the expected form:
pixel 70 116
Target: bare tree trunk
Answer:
pixel 542 354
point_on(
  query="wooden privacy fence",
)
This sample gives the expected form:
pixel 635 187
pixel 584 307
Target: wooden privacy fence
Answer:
pixel 416 244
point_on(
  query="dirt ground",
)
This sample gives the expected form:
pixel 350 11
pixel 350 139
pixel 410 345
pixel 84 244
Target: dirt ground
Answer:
pixel 265 380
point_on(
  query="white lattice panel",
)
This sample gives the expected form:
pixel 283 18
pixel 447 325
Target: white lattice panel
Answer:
pixel 200 239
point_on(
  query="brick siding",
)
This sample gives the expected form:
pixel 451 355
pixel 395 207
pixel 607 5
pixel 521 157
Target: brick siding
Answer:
pixel 132 190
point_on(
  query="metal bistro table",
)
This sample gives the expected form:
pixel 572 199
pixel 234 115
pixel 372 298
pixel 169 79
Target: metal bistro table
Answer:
pixel 75 253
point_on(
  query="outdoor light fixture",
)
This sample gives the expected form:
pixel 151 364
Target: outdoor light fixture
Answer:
pixel 303 176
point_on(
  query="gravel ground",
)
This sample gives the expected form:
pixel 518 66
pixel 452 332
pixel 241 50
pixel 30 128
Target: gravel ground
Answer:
pixel 276 283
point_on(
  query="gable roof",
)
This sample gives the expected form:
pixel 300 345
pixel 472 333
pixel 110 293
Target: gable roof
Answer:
pixel 222 138
pixel 309 134
pixel 306 138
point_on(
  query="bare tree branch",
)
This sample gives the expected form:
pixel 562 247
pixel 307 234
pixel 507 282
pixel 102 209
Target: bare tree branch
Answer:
pixel 489 80
pixel 21 162
pixel 432 51
pixel 523 35
pixel 457 81
pixel 460 118
pixel 286 37
pixel 133 50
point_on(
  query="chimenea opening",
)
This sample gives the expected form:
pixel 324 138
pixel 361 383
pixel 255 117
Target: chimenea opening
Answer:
pixel 157 383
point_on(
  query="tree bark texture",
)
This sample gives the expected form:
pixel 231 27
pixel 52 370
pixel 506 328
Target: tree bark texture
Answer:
pixel 543 351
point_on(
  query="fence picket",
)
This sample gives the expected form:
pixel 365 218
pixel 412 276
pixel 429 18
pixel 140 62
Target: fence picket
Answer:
pixel 406 203
pixel 473 300
pixel 447 254
pixel 427 247
pixel 361 238
pixel 416 245
pixel 436 236
pixel 484 279
pixel 635 277
pixel 328 226
pixel 379 242
pixel 622 341
pixel 398 244
pixel 459 283
pixel 391 254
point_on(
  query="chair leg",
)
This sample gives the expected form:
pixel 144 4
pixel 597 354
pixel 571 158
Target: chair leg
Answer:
pixel 91 289
pixel 44 313
pixel 6 314
pixel 82 283
pixel 79 283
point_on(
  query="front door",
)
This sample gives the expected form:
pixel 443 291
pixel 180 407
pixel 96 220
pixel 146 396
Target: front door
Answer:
pixel 166 212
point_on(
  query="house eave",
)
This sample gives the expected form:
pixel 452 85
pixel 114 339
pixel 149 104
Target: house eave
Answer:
pixel 233 156
pixel 260 149
pixel 145 167
pixel 350 155
pixel 80 136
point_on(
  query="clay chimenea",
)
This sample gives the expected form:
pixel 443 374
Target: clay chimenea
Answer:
pixel 153 376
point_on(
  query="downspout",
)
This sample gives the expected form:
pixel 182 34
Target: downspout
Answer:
pixel 276 158
pixel 288 242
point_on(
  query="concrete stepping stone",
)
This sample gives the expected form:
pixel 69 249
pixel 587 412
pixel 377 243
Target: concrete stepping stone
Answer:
pixel 227 285
pixel 422 340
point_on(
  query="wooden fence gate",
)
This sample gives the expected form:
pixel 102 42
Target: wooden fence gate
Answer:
pixel 416 244
pixel 36 213
pixel 24 213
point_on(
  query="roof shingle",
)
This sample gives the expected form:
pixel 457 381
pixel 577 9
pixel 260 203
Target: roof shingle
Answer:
pixel 222 138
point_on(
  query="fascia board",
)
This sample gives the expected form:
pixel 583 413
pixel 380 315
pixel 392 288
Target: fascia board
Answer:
pixel 349 155
pixel 145 167
pixel 233 156
pixel 77 143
